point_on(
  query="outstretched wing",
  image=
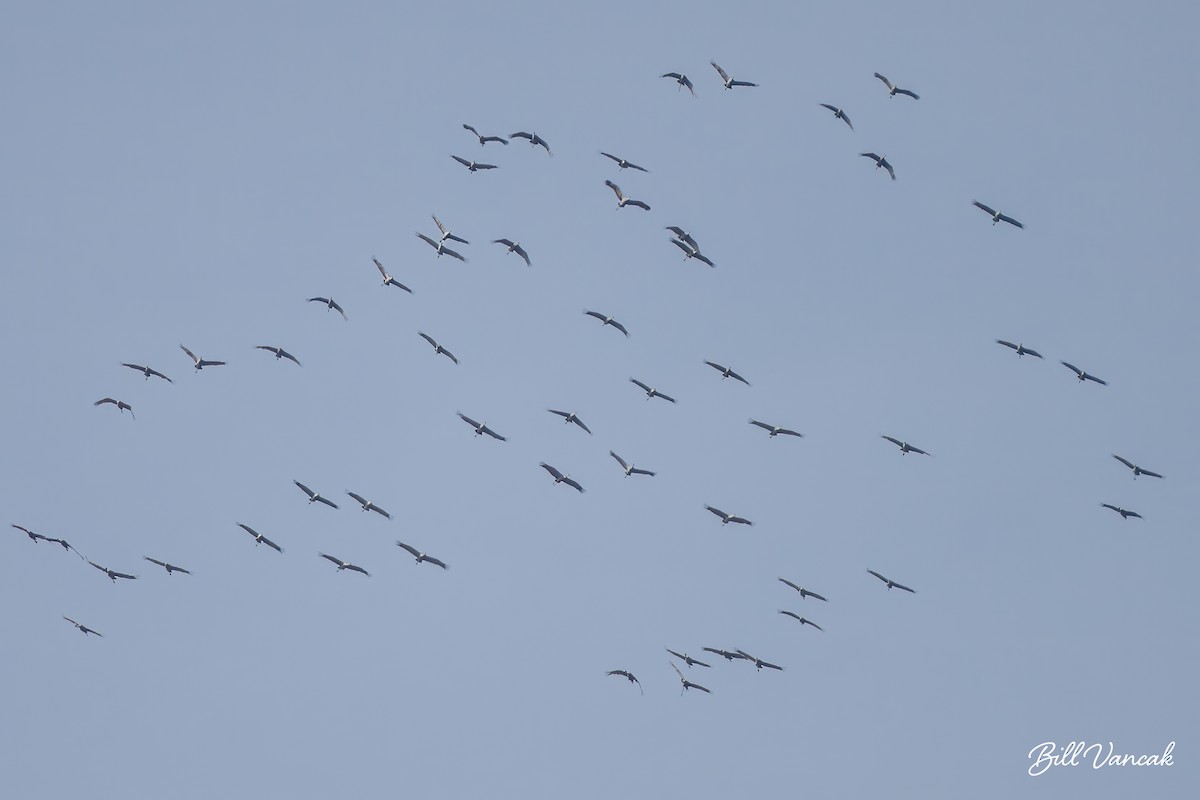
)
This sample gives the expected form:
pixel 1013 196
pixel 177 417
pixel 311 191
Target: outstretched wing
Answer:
pixel 326 501
pixel 793 615
pixel 902 586
pixel 717 511
pixel 616 189
pixel 1072 367
pixel 462 161
pixel 1124 461
pixel 640 385
pixel 311 494
pixel 721 72
pixel 429 339
pixel 896 442
pixel 191 355
pixel 554 472
pixel 991 211
pixel 877 575
pixel 573 484
pixel 621 461
pixel 493 434
pixel 911 94
pixel 415 552
pixel 436 562
pixel 337 561
pixel 1010 220
pixel 886 82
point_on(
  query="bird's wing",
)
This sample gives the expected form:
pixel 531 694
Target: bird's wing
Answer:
pixel 674 75
pixel 810 622
pixel 415 552
pixel 560 413
pixel 638 383
pixel 896 442
pixel 454 238
pixel 789 583
pixel 271 544
pixel 338 308
pixel 454 254
pixel 698 686
pixel 888 167
pixel 380 511
pixel 793 615
pixel 362 501
pixel 616 189
pixel 1006 344
pixel 521 135
pixel 1109 505
pixel 631 165
pixel 769 665
pixel 439 224
pixel 178 569
pixel 677 655
pixel 790 432
pixel 337 561
pixel 917 450
pixel 596 314
pixel 573 483
pixel 427 240
pixel 428 338
pixel 449 355
pixel 638 203
pixel 877 575
pixel 677 672
pixel 379 267
pixel 831 108
pixel 739 377
pixel 1095 379
pixel 807 593
pixel 579 422
pixel 1033 353
pixel 267 347
pixel 621 461
pixel 97 566
pixel 745 655
pixel 1010 220
pixel 640 471
pixel 743 83
pixel 462 161
pixel 610 155
pixel 248 530
pixel 721 72
pixel 206 363
pixel 1151 474
pixel 717 511
pixel 291 357
pixel 68 619
pixel 885 81
pixel 685 248
pixel 557 475
pixel 191 355
pixel 327 501
pixel 324 300
pixel 701 257
pixel 162 564
pixel 1124 461
pixel 741 520
pixel 472 130
pixel 982 207
pixel 715 366
pixel 902 586
pixel 138 367
pixel 686 81
pixel 521 252
pixel 1072 367
pixel 873 156
pixel 847 120
pixel 1133 514
pixel 357 568
pixel 305 489
pixel 619 327
pixel 123 575
pixel 467 419
pixel 104 400
pixel 436 562
pixel 911 94
pixel 505 242
pixel 493 434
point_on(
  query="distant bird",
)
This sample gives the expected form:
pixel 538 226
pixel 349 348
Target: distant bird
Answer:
pixel 438 350
pixel 201 363
pixel 894 90
pixel 1125 514
pixel 534 140
pixel 682 80
pixel 341 565
pixel 689 251
pixel 485 139
pixel 776 430
pixel 560 478
pixel 279 353
pixel 259 538
pixel 388 280
pixel 803 592
pixel 839 114
pixel 905 447
pixel 728 81
pixel 630 469
pixel 315 497
pixel 35 537
pixel 726 372
pixel 725 654
pixel 622 200
pixel 480 428
pixel 440 247
pixel 650 391
pixel 607 320
pixel 170 568
pixel 472 166
pixel 728 518
pixel 120 404
pixel 684 237
pixel 803 621
pixel 1083 376
pixel 628 676
pixel 148 372
pixel 758 662
pixel 514 247
pixel 112 573
pixel 686 683
pixel 891 583
pixel 84 629
pixel 367 505
pixel 996 215
pixel 329 305
pixel 419 556
pixel 1021 349
pixel 686 659
pixel 569 416
pixel 622 163
pixel 446 233
pixel 880 161
pixel 1136 469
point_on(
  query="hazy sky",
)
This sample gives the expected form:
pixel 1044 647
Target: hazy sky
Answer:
pixel 192 178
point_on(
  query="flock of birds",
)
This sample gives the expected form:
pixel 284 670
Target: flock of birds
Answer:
pixel 686 242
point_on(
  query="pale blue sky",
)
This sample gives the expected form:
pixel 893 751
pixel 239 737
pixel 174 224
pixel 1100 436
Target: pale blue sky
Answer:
pixel 192 177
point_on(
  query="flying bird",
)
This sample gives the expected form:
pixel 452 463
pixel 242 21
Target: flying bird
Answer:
pixel 329 305
pixel 726 372
pixel 480 428
pixel 120 404
pixel 170 568
pixel 776 430
pixel 803 592
pixel 419 556
pixel 630 469
pixel 684 236
pixel 279 353
pixel 534 140
pixel 880 161
pixel 905 447
pixel 34 537
pixel 569 416
pixel 560 478
pixel 201 363
pixel 112 573
pixel 1083 376
pixel 514 247
pixel 148 372
pixel 446 233
pixel 1021 349
pixel 388 280
pixel 440 247
pixel 314 497
pixel 1125 514
pixel 341 565
pixel 367 505
pixel 622 200
pixel 725 654
pixel 686 659
pixel 891 583
pixel 485 139
pixel 690 251
pixel 651 391
pixel 839 114
pixel 84 629
pixel 894 90
pixel 607 320
pixel 622 163
pixel 728 81
pixel 728 518
pixel 803 621
pixel 628 676
pixel 1136 469
pixel 996 215
pixel 472 166
pixel 758 662
pixel 682 80
pixel 438 350
pixel 686 683
pixel 259 538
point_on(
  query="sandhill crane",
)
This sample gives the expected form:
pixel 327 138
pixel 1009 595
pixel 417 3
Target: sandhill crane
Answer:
pixel 803 621
pixel 728 518
pixel 905 447
pixel 419 556
pixel 682 80
pixel 259 538
pixel 758 662
pixel 569 416
pixel 685 682
pixel 1083 376
pixel 891 583
pixel 996 215
pixel 560 478
pixel 446 233
pixel 84 629
pixel 630 469
pixel 146 371
pixel 343 565
pixel 438 350
pixel 894 90
pixel 1136 469
pixel 534 140
pixel 514 247
pixel 880 161
pixel 315 497
pixel 441 248
pixel 279 353
pixel 112 573
pixel 388 280
pixel 684 237
pixel 1021 349
pixel 1125 513
pixel 170 568
pixel 201 363
pixel 120 404
pixel 686 659
pixel 485 139
pixel 651 391
pixel 776 430
pixel 330 305
pixel 367 505
pixel 725 654
pixel 726 372
pixel 35 537
pixel 607 320
pixel 690 251
pixel 728 81
pixel 472 166
pixel 622 200
pixel 628 676
pixel 803 592
pixel 480 428
pixel 838 114
pixel 622 163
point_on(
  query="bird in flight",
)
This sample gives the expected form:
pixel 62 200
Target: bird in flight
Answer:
pixel 341 565
pixel 684 237
pixel 367 505
pixel 485 139
pixel 894 90
pixel 628 676
pixel 514 247
pixel 120 404
pixel 651 391
pixel 686 659
pixel 891 583
pixel 803 621
pixel 170 568
pixel 803 592
pixel 622 163
pixel 419 556
pixel 480 428
pixel 839 114
pixel 1083 376
pixel 329 305
pixel 630 469
pixel 569 416
pixel 148 372
pixel 728 81
pixel 1125 513
pixel 111 573
pixel 880 161
pixel 996 215
pixel 388 280
pixel 622 200
pixel 725 654
pixel 607 320
pixel 686 683
pixel 560 478
pixel 446 233
pixel 438 350
pixel 201 363
pixel 534 140
pixel 682 80
pixel 775 430
pixel 84 629
pixel 726 372
pixel 472 166
pixel 279 353
pixel 314 497
pixel 728 518
pixel 905 447
pixel 34 537
pixel 440 247
pixel 259 538
pixel 1136 469
pixel 1021 349
pixel 758 662
pixel 691 251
